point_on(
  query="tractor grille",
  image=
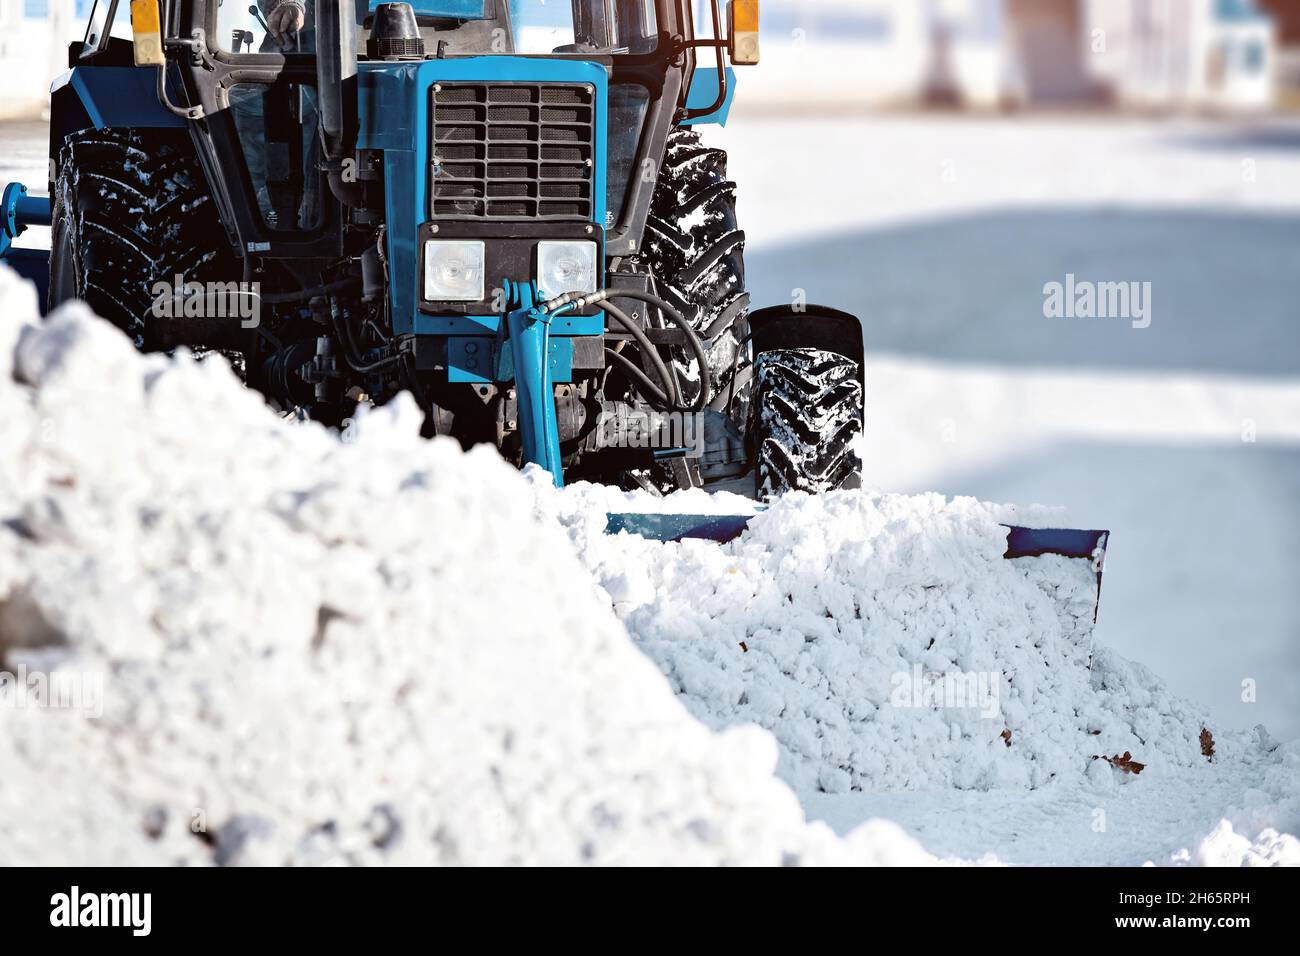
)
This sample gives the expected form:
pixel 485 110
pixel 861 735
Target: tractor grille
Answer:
pixel 513 151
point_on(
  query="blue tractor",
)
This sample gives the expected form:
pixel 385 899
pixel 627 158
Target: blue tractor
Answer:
pixel 503 207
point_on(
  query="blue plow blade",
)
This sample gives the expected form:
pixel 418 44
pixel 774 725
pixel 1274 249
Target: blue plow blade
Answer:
pixel 1021 542
pixel 660 527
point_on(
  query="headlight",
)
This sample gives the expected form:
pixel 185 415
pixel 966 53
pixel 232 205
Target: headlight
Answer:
pixel 453 271
pixel 566 267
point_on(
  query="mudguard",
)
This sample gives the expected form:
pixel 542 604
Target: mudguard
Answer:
pixel 807 327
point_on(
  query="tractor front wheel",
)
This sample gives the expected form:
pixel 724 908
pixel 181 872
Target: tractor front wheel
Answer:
pixel 697 252
pixel 132 213
pixel 808 419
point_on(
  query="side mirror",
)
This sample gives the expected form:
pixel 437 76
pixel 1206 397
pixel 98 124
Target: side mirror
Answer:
pixel 742 32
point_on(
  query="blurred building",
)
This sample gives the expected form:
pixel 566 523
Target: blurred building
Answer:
pixel 1286 17
pixel 34 37
pixel 987 53
pixel 982 53
pixel 1213 53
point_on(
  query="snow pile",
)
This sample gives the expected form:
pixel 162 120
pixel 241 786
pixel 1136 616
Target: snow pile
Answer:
pixel 278 647
pixel 227 638
pixel 888 645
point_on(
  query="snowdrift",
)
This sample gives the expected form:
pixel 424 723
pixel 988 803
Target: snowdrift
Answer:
pixel 887 644
pixel 314 651
pixel 228 638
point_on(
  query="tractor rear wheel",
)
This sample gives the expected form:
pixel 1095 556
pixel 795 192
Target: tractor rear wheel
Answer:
pixel 132 210
pixel 697 252
pixel 808 418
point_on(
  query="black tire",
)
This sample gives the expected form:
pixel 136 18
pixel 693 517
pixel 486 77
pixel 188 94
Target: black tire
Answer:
pixel 131 209
pixel 697 253
pixel 809 413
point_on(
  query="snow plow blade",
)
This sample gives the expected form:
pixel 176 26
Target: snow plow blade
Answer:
pixel 1021 542
pixel 668 527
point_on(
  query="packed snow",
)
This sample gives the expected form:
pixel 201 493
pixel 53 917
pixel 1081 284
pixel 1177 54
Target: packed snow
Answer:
pixel 274 644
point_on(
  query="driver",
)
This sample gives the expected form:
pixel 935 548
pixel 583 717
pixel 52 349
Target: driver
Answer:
pixel 288 30
pixel 284 19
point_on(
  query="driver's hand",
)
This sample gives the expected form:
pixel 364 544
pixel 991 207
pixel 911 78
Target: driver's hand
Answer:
pixel 285 19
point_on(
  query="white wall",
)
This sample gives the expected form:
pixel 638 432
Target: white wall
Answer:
pixel 33 50
pixel 1178 53
pixel 843 53
pixel 846 53
pixel 837 53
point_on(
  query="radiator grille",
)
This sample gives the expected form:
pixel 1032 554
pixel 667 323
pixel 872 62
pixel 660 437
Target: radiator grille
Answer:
pixel 513 151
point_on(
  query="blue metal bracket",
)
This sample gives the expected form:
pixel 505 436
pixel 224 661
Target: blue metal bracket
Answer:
pixel 529 343
pixel 472 359
pixel 704 93
pixel 483 361
pixel 18 211
pixel 491 324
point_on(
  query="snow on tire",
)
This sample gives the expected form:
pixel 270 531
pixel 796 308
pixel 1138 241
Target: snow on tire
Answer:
pixel 697 250
pixel 132 209
pixel 809 414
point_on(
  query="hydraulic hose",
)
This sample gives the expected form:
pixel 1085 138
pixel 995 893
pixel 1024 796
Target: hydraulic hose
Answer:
pixel 668 395
pixel 670 389
pixel 697 346
pixel 348 342
pixel 298 295
pixel 652 392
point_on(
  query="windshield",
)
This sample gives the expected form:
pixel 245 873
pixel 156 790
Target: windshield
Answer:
pixel 458 27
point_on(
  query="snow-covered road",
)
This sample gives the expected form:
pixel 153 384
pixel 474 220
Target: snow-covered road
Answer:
pixel 1114 824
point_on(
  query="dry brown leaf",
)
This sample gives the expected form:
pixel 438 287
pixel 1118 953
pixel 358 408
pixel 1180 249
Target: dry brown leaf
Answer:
pixel 1207 743
pixel 1006 735
pixel 744 647
pixel 1125 763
